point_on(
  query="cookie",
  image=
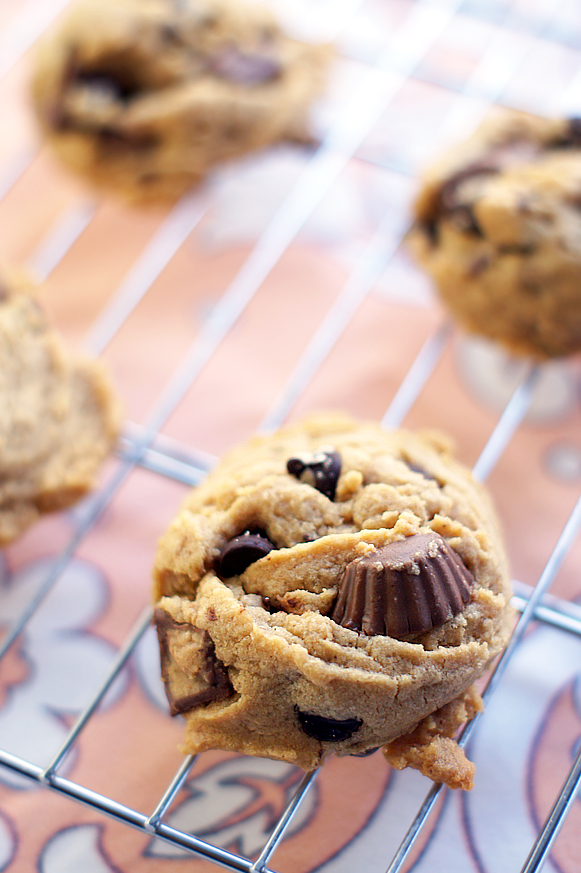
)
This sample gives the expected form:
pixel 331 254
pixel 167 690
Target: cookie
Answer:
pixel 498 227
pixel 330 589
pixel 58 416
pixel 144 97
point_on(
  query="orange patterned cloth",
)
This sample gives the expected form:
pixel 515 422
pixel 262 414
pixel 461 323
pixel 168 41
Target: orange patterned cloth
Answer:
pixel 357 810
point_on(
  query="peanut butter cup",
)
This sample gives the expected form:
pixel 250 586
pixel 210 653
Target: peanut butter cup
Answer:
pixel 203 679
pixel 404 588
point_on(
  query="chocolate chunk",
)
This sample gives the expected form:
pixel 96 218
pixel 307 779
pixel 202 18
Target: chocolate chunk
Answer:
pixel 111 139
pixel 325 729
pixel 524 249
pixel 113 80
pixel 456 205
pixel 170 34
pixel 403 589
pixel 244 69
pixel 204 679
pixel 242 551
pixel 575 131
pixel 453 203
pixel 115 85
pixel 450 195
pixel 417 469
pixel 366 753
pixel 465 220
pixel 321 470
pixel 478 266
pixel 571 138
pixel 105 83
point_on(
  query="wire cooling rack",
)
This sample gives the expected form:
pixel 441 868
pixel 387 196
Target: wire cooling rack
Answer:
pixel 410 76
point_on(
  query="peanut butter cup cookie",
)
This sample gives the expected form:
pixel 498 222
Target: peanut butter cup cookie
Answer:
pixel 331 589
pixel 498 227
pixel 58 416
pixel 143 97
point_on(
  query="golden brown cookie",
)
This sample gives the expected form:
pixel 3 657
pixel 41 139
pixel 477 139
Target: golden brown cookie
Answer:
pixel 143 97
pixel 58 416
pixel 327 589
pixel 498 227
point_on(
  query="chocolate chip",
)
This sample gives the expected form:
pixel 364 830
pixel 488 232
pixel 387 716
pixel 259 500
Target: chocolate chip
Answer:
pixel 535 289
pixel 321 470
pixel 113 140
pixel 571 138
pixel 242 551
pixel 478 266
pixel 458 208
pixel 524 249
pixel 575 130
pixel 423 472
pixel 244 68
pixel 110 85
pixel 149 178
pixel 450 196
pixel 325 729
pixel 405 588
pixel 465 220
pixel 205 679
pixel 170 34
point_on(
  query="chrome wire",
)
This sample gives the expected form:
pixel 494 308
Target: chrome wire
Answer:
pixel 129 645
pixel 142 446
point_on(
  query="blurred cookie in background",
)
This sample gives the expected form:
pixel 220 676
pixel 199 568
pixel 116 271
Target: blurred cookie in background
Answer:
pixel 58 415
pixel 143 97
pixel 498 228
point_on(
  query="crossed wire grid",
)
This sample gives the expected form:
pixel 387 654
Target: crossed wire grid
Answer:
pixel 144 446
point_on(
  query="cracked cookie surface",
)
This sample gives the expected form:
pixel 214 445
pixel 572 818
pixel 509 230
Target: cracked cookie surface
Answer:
pixel 143 97
pixel 58 415
pixel 306 678
pixel 498 228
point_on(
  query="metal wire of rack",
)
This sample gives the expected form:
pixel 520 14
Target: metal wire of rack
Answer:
pixel 145 445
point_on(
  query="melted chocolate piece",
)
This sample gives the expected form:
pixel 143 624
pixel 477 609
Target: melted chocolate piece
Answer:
pixel 524 249
pixel 170 34
pixel 417 469
pixel 479 265
pixel 452 204
pixel 403 589
pixel 115 140
pixel 575 131
pixel 449 198
pixel 465 220
pixel 325 729
pixel 204 681
pixel 244 69
pixel 112 81
pixel 366 753
pixel 321 470
pixel 571 138
pixel 242 551
pixel 108 83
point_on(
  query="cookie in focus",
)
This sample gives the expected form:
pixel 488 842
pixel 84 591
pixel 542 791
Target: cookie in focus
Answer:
pixel 331 589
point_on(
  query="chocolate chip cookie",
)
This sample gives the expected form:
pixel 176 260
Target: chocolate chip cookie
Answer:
pixel 58 415
pixel 498 227
pixel 330 589
pixel 143 97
